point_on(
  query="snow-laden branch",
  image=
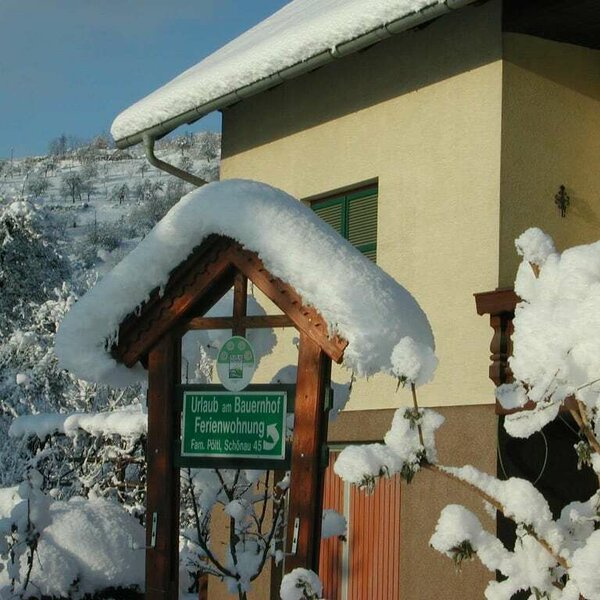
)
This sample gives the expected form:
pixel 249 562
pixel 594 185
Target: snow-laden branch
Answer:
pixel 301 584
pixel 556 339
pixel 556 365
pixel 402 453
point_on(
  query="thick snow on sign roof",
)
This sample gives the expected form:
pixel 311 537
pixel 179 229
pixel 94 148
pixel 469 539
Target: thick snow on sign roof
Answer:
pixel 299 31
pixel 357 299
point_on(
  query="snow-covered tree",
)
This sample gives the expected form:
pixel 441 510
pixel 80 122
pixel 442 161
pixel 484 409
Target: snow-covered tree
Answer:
pixel 37 185
pixel 65 452
pixel 152 205
pixel 120 194
pixel 254 505
pixel 58 146
pixel 209 145
pixel 32 383
pixel 72 186
pixel 30 263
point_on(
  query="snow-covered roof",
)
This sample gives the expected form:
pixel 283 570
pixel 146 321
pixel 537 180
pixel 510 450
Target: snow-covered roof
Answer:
pixel 358 300
pixel 301 36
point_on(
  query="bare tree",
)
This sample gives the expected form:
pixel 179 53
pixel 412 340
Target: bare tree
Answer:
pixel 120 193
pixel 210 145
pixel 72 185
pixel 37 185
pixel 49 165
pixel 58 146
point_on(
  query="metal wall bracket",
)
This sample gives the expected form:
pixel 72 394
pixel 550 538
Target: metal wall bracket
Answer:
pixel 295 536
pixel 134 546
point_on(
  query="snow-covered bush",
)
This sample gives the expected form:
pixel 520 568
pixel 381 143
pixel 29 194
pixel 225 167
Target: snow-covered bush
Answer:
pixel 31 265
pixel 556 366
pixel 47 468
pixel 65 549
pixel 557 337
pixel 97 455
pixel 67 435
pixel 32 383
pixel 254 504
pixel 301 584
pixel 152 203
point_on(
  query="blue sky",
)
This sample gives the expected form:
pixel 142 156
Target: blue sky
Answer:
pixel 70 66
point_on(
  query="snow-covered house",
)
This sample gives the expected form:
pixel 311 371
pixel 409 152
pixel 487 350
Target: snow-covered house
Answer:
pixel 430 133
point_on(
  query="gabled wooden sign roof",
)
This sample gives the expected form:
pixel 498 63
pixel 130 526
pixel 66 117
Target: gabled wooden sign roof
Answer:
pixel 198 283
pixel 324 285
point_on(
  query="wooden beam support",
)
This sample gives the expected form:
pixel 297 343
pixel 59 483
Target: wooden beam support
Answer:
pixel 249 322
pixel 187 290
pixel 240 303
pixel 305 318
pixel 498 301
pixel 310 433
pixel 152 334
pixel 198 283
pixel 162 500
pixel 500 305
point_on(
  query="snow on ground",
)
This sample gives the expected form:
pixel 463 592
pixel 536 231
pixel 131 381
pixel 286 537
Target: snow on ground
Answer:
pixel 114 170
pixel 360 301
pixel 85 542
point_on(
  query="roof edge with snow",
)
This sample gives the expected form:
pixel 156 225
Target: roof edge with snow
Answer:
pixel 141 120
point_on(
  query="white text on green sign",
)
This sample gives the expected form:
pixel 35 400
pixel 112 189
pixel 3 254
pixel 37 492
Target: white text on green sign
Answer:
pixel 234 425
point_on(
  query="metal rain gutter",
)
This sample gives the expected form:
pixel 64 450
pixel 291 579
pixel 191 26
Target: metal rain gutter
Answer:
pixel 415 19
pixel 164 166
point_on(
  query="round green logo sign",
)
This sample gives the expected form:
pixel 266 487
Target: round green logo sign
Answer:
pixel 235 363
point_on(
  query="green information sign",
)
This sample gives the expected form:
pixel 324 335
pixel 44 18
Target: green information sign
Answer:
pixel 248 424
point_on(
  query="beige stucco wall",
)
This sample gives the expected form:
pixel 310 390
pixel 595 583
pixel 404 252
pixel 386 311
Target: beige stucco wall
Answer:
pixel 420 114
pixel 550 136
pixel 424 573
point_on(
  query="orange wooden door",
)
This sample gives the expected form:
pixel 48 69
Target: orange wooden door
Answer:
pixel 367 566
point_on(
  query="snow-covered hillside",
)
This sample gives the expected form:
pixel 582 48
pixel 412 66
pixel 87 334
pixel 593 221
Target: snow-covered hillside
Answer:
pixel 65 218
pixel 102 200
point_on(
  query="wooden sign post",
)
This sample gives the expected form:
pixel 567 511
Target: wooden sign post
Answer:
pixel 162 497
pixel 153 336
pixel 310 434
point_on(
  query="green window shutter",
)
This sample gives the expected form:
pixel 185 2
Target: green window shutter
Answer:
pixel 353 216
pixel 370 252
pixel 362 223
pixel 333 213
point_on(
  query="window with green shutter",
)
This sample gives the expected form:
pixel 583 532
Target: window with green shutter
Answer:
pixel 354 216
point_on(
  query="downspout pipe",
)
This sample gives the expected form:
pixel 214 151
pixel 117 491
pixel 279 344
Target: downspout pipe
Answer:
pixel 410 21
pixel 168 168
